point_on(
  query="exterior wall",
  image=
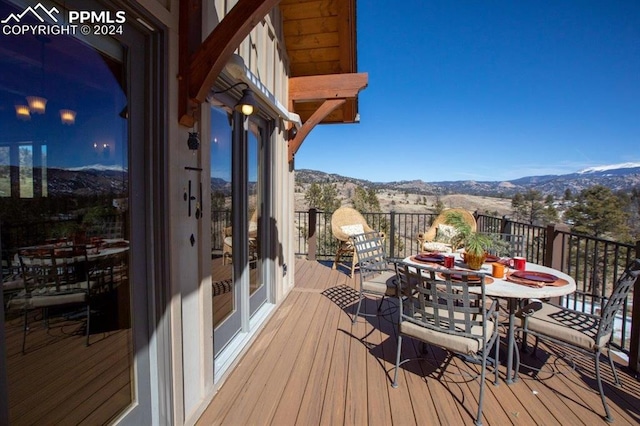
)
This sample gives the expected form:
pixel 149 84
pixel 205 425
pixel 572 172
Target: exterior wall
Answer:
pixel 190 282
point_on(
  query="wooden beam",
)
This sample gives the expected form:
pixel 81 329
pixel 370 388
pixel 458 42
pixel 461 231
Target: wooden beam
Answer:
pixel 325 109
pixel 190 27
pixel 209 59
pixel 347 31
pixel 327 86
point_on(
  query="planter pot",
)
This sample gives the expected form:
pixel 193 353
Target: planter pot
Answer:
pixel 474 261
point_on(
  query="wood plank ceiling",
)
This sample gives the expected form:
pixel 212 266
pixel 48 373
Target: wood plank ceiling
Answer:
pixel 320 37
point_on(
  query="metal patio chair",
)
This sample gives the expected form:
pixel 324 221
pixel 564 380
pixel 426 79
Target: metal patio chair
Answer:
pixel 437 308
pixel 346 222
pixel 585 333
pixel 377 275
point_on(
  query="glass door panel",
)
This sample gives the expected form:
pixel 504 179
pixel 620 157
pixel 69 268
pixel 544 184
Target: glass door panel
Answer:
pixel 64 189
pixel 255 187
pixel 224 290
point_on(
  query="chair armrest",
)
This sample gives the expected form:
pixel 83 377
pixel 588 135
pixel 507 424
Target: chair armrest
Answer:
pixel 492 310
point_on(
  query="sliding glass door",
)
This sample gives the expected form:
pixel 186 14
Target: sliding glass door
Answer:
pixel 238 152
pixel 74 114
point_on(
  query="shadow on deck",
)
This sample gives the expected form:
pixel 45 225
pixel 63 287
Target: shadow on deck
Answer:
pixel 310 365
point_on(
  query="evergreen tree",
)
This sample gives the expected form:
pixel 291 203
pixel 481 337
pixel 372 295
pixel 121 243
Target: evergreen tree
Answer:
pixel 322 197
pixel 598 212
pixel 568 196
pixel 533 208
pixel 366 200
pixel 633 209
pixel 313 196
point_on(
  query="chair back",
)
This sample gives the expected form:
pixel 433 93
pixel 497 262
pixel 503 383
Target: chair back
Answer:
pixel 433 299
pixel 442 218
pixel 39 270
pixel 345 217
pixel 48 271
pixel 616 301
pixel 371 254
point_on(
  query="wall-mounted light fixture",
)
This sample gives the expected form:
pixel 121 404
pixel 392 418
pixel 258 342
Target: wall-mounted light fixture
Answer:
pixel 292 132
pixel 247 104
pixel 194 141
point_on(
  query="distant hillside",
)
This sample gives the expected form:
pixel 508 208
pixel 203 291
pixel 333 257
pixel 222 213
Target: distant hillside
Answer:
pixel 621 178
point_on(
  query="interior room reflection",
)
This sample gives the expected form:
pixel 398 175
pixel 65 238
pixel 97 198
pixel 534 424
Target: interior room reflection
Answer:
pixel 64 223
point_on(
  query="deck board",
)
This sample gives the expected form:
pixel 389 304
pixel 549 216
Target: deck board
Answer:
pixel 310 365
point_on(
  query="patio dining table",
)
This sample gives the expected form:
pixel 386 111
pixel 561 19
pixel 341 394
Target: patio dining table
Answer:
pixel 107 247
pixel 514 292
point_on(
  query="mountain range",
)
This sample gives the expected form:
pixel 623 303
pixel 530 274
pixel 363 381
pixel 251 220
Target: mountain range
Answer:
pixel 620 177
pixel 623 177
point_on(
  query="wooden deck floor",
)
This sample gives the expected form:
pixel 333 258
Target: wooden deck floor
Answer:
pixel 310 365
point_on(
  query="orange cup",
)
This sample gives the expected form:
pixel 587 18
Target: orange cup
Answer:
pixel 497 270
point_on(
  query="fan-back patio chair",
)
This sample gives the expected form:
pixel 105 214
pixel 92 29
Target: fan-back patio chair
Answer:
pixel 440 234
pixel 377 276
pixel 227 240
pixel 437 308
pixel 583 332
pixel 346 222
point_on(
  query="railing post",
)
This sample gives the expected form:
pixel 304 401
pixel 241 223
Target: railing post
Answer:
pixel 312 239
pixel 505 225
pixel 634 344
pixel 392 237
pixel 553 250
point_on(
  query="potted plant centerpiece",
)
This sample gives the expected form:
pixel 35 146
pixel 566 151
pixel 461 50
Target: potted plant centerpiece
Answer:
pixel 475 249
pixel 475 244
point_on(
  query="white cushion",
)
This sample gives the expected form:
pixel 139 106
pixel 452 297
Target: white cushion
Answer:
pixel 445 233
pixel 435 246
pixel 352 229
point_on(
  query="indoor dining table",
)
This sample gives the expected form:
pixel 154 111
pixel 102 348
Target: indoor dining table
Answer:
pixel 514 290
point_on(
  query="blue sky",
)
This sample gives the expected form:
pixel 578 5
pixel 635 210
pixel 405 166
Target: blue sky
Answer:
pixel 488 90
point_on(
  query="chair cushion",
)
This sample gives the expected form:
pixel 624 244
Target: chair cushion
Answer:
pixel 354 229
pixel 383 283
pixel 228 241
pixel 451 342
pixel 437 246
pixel 445 233
pixel 568 326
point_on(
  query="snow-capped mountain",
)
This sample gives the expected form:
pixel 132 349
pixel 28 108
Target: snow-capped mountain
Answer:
pixel 618 177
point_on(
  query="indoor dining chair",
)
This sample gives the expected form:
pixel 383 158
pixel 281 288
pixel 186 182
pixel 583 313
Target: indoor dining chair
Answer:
pixel 583 332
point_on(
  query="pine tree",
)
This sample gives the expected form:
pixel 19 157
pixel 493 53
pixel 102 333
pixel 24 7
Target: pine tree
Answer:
pixel 598 212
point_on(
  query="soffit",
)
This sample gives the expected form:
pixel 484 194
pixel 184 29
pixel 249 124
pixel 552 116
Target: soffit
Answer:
pixel 320 37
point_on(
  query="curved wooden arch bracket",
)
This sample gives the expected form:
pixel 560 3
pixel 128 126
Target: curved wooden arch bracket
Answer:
pixel 199 71
pixel 335 89
pixel 325 109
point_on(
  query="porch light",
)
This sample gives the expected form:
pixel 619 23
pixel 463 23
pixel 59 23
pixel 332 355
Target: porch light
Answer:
pixel 67 116
pixel 22 112
pixel 37 104
pixel 247 104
